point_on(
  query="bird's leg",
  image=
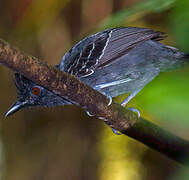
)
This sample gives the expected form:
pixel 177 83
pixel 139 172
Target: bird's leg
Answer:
pixel 132 95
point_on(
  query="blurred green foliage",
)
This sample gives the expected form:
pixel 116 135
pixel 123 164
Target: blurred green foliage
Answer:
pixel 142 8
pixel 179 20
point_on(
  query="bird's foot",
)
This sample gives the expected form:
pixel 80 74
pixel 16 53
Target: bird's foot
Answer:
pixel 125 102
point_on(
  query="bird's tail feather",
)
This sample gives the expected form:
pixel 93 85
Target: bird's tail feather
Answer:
pixel 186 56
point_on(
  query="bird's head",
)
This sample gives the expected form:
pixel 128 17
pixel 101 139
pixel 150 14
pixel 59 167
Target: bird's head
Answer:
pixel 32 95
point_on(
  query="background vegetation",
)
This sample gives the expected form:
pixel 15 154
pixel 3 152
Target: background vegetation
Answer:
pixel 63 142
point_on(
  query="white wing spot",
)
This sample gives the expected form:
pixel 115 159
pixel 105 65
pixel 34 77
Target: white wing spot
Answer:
pixel 91 72
pixel 110 34
pixel 113 83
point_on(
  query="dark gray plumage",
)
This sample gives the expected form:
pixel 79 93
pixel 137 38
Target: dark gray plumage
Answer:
pixel 114 62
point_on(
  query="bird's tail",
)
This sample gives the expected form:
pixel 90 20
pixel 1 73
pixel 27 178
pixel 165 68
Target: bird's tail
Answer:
pixel 186 56
pixel 175 59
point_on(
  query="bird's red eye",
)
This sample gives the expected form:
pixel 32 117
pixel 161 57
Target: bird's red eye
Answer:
pixel 35 90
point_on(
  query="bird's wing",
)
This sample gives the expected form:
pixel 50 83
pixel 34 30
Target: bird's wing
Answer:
pixel 103 48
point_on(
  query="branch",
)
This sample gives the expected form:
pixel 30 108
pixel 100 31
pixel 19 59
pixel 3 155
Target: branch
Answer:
pixel 69 87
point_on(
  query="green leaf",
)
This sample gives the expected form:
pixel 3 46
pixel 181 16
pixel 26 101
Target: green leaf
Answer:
pixel 144 7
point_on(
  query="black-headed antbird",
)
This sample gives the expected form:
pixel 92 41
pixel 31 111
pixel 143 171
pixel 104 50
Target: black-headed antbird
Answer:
pixel 114 61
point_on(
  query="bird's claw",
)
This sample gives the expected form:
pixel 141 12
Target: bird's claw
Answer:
pixel 110 100
pixel 116 131
pixel 135 110
pixel 109 97
pixel 89 114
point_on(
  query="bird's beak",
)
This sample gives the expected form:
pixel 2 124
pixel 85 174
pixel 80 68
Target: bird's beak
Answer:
pixel 15 107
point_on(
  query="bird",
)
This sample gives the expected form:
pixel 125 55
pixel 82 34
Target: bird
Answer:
pixel 114 61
